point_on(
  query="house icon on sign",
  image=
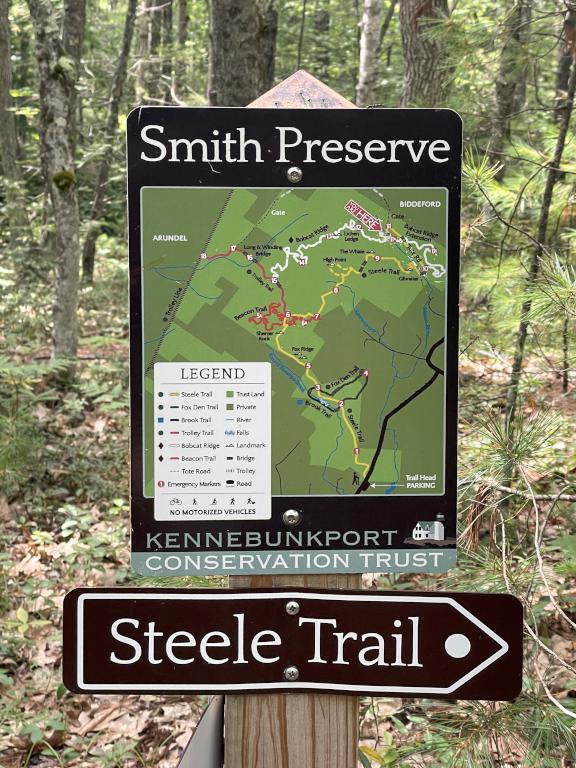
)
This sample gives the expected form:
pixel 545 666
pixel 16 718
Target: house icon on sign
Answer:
pixel 429 529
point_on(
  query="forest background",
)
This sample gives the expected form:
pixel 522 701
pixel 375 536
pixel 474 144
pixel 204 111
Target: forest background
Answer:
pixel 70 72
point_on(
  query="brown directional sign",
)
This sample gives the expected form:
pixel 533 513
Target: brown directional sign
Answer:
pixel 433 645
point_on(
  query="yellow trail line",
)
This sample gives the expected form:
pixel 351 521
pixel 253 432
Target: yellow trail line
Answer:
pixel 310 375
pixel 342 275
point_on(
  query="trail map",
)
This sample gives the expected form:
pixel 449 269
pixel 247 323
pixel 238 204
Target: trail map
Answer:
pixel 343 291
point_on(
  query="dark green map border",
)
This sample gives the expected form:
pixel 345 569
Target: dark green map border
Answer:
pixel 272 251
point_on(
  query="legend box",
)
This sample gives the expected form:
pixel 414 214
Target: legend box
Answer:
pixel 212 447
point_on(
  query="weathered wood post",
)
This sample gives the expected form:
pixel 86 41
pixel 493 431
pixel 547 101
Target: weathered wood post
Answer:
pixel 294 730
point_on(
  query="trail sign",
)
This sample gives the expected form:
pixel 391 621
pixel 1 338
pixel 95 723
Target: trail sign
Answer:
pixel 466 646
pixel 294 299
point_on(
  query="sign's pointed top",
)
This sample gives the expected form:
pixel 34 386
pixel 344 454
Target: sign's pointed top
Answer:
pixel 302 91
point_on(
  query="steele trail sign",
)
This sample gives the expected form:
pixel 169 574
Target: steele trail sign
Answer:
pixel 294 299
pixel 439 645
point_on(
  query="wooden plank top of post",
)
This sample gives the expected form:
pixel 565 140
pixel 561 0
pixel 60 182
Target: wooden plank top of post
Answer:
pixel 294 730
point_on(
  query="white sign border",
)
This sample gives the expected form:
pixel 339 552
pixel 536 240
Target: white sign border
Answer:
pixel 285 686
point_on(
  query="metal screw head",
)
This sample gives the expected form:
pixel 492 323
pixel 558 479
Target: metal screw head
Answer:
pixel 291 517
pixel 294 174
pixel 291 674
pixel 292 608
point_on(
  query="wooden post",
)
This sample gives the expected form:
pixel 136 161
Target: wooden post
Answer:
pixel 294 730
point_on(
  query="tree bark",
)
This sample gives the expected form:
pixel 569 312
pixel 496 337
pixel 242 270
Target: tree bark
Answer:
pixel 110 130
pixel 143 52
pixel 511 78
pixel 268 36
pixel 149 67
pixel 537 253
pixel 180 67
pixel 301 37
pixel 154 69
pixel 239 53
pixel 73 31
pixel 8 141
pixel 565 353
pixel 321 27
pixel 425 81
pixel 58 72
pixel 567 50
pixel 16 209
pixel 167 52
pixel 373 28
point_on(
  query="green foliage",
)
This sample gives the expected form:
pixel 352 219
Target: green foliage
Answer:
pixel 63 452
pixel 22 391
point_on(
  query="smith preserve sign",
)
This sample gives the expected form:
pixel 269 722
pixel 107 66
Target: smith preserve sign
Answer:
pixel 294 295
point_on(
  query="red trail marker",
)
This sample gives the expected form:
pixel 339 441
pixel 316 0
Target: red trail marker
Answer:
pixel 372 223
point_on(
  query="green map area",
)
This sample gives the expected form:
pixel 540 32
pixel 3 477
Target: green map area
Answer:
pixel 342 291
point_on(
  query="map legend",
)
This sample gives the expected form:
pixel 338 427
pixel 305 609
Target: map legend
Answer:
pixel 214 460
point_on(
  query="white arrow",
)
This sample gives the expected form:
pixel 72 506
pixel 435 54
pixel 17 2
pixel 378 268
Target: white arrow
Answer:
pixel 386 485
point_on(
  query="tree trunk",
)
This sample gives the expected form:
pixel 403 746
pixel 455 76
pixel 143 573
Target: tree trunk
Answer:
pixel 8 142
pixel 373 29
pixel 143 52
pixel 425 81
pixel 321 27
pixel 149 68
pixel 369 52
pixel 511 78
pixel 534 265
pixel 567 50
pixel 565 353
pixel 268 36
pixel 167 52
pixel 524 67
pixel 181 68
pixel 154 69
pixel 238 51
pixel 58 72
pixel 73 30
pixel 111 128
pixel 15 206
pixel 301 36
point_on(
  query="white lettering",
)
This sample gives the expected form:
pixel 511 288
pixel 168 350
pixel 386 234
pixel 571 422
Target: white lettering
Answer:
pixel 222 641
pixel 153 143
pixel 172 642
pixel 284 144
pixel 317 658
pixel 127 641
pixel 341 638
pixel 379 648
pixel 151 634
pixel 258 640
pixel 439 145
